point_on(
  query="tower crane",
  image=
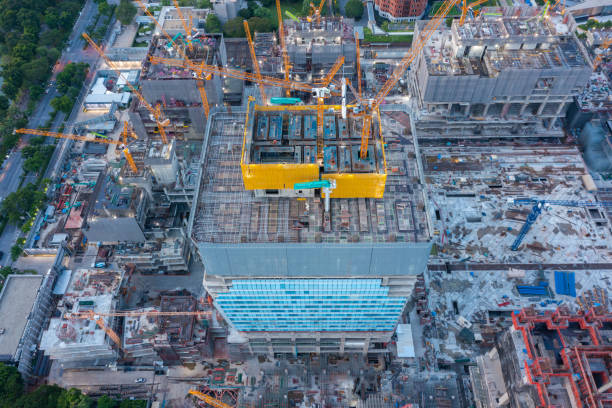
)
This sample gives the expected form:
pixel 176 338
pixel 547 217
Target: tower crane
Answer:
pixel 209 400
pixel 465 8
pixel 186 26
pixel 126 152
pixel 199 84
pixel 98 318
pixel 358 64
pixel 262 91
pixel 370 106
pixel 281 36
pixel 316 12
pixel 539 205
pixel 156 112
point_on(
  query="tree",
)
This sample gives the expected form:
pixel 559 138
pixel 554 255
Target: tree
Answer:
pixel 234 28
pixel 4 103
pixel 16 252
pixel 213 24
pixel 126 12
pixel 260 25
pixel 267 3
pixel 73 398
pixel 45 396
pixel 106 402
pixel 449 22
pixel 245 13
pixel 19 204
pixel 104 8
pixel 62 104
pixel 11 385
pixel 354 9
pixel 263 12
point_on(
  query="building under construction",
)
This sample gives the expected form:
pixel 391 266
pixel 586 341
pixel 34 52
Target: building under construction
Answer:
pixel 553 358
pixel 82 342
pixel 290 272
pixel 509 72
pixel 171 339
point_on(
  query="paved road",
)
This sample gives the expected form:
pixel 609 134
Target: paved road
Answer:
pixel 11 172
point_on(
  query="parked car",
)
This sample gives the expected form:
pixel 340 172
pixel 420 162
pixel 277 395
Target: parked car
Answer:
pixel 141 380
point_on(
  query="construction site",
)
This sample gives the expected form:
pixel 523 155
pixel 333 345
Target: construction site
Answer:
pixel 341 230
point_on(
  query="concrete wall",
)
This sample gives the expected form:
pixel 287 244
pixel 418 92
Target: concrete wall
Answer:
pixel 315 260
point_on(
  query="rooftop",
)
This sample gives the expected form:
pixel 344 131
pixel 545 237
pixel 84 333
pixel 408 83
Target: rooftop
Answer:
pixel 227 213
pixel 16 301
pixel 474 187
pixel 511 43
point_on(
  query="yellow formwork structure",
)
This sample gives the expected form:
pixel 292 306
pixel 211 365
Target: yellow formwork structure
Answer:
pixel 280 176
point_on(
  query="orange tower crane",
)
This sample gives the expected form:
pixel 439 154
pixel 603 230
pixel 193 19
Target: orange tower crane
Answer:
pixel 155 111
pixel 466 7
pixel 262 91
pixel 281 37
pixel 209 400
pixel 372 105
pixel 199 84
pixel 186 26
pixel 358 64
pixel 126 152
pixel 316 12
pixel 98 318
pixel 204 69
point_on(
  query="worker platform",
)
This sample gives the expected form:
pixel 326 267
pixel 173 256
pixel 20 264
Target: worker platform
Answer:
pixel 280 149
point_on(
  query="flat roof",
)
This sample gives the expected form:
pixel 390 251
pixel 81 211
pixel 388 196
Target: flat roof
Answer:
pixel 16 301
pixel 227 213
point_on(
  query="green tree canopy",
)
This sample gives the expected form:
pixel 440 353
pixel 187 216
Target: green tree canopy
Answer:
pixel 354 9
pixel 213 24
pixel 234 28
pixel 11 386
pixel 19 204
pixel 62 104
pixel 126 12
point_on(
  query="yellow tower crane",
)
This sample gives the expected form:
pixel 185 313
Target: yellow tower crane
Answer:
pixel 156 112
pixel 200 85
pixel 126 152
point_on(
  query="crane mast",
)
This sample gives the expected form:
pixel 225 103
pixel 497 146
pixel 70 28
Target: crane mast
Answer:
pixel 262 91
pixel 372 105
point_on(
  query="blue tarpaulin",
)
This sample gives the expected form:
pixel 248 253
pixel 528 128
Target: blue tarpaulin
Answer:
pixel 565 283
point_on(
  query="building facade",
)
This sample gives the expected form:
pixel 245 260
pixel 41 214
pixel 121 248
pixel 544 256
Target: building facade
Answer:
pixel 401 10
pixel 510 67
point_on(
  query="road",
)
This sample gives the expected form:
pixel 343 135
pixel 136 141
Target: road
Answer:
pixel 10 175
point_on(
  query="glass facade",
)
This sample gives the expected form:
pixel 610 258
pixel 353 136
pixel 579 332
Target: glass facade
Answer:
pixel 310 305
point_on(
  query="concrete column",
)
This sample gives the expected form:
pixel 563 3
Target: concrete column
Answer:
pixel 561 106
pixel 525 105
pixel 342 343
pixel 541 108
pixel 486 109
pixel 270 348
pixel 466 111
pixel 366 346
pixel 551 123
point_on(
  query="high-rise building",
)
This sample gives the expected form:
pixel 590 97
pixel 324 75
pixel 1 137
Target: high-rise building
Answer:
pixel 288 274
pixel 401 10
pixel 512 72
